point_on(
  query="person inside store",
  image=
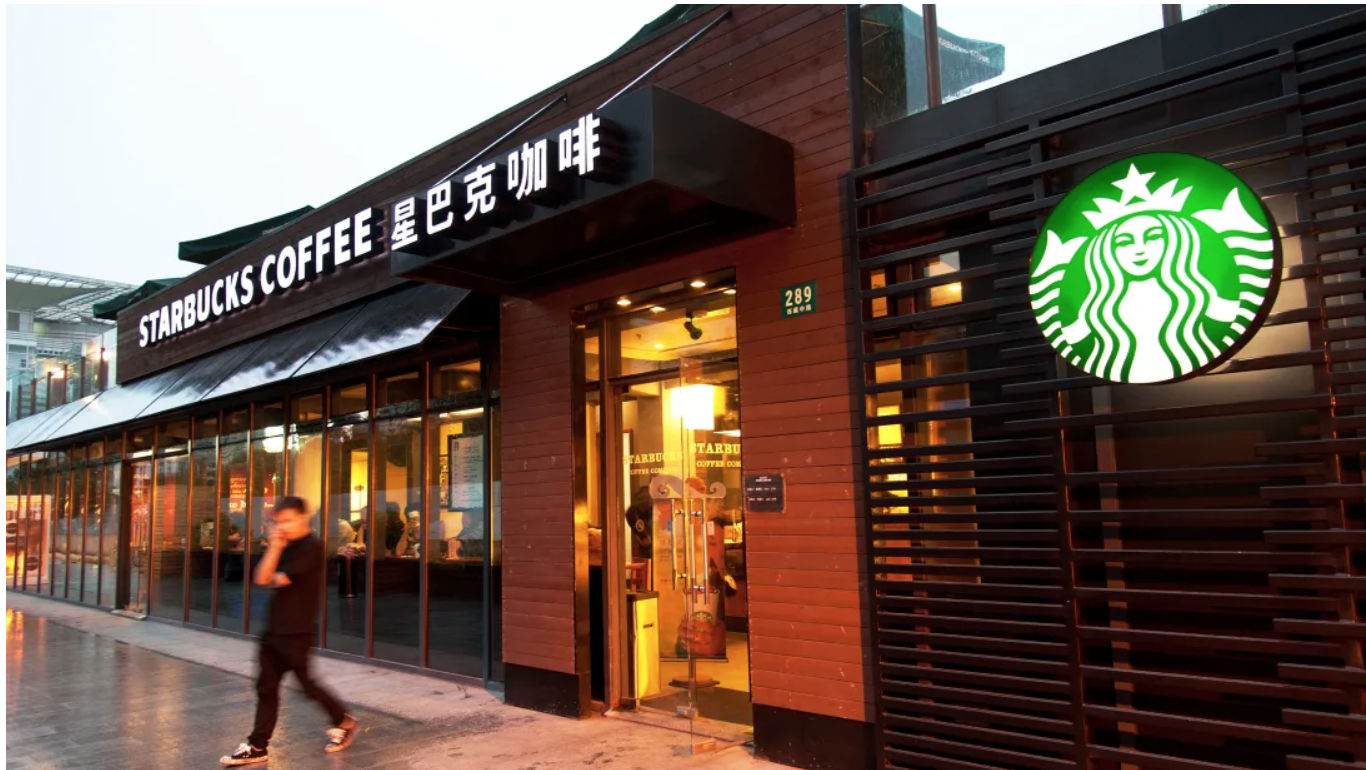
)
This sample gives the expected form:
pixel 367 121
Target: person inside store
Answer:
pixel 292 566
pixel 393 528
pixel 469 544
pixel 410 545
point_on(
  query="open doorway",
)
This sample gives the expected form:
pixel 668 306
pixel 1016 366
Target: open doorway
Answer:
pixel 668 588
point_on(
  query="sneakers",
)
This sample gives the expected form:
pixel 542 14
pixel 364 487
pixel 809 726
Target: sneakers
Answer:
pixel 341 736
pixel 246 754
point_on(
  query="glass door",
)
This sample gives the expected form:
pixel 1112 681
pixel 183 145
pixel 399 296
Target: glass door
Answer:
pixel 683 523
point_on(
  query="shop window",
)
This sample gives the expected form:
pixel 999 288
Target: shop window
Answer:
pixel 231 533
pixel 113 446
pixel 205 428
pixel 141 440
pixel 110 526
pixel 455 378
pixel 306 408
pixel 139 535
pixel 592 354
pixel 173 435
pixel 456 546
pixel 236 424
pixel 170 507
pixel 347 526
pixel 208 530
pixel 397 542
pixel 350 399
pixel 267 484
pixel 398 390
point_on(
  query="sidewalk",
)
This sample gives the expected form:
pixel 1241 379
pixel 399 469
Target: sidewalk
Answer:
pixel 435 723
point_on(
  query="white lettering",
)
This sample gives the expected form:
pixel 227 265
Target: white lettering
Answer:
pixel 234 298
pixel 187 303
pixel 267 286
pixel 177 318
pixel 142 331
pixel 216 297
pixel 362 230
pixel 285 277
pixel 248 287
pixel 341 238
pixel 323 248
pixel 164 327
pixel 201 303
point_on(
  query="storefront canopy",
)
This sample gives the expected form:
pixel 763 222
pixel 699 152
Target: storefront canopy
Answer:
pixel 207 250
pixel 686 176
pixel 385 324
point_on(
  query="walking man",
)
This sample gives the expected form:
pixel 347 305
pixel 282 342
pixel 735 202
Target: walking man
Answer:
pixel 292 565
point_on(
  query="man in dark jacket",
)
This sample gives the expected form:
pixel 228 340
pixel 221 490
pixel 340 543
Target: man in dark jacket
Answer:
pixel 293 566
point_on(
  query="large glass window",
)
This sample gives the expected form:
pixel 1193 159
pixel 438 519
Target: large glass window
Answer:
pixel 61 532
pixel 305 448
pixel 205 525
pixel 267 483
pixel 77 573
pixel 170 506
pixel 398 538
pixel 456 544
pixel 15 499
pixel 348 492
pixel 109 534
pixel 231 532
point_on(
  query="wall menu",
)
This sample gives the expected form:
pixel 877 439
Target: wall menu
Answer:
pixel 764 493
pixel 465 472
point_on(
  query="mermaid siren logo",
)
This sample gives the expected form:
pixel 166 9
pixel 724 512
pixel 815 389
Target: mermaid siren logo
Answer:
pixel 1154 269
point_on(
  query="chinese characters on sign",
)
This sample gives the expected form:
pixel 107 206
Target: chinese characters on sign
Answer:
pixel 494 192
pixel 799 299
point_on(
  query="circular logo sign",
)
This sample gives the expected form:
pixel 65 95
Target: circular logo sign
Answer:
pixel 1154 268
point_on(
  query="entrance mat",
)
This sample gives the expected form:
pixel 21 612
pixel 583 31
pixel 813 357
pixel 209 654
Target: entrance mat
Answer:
pixel 717 703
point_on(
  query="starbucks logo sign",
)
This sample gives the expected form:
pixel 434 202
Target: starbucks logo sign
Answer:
pixel 1154 269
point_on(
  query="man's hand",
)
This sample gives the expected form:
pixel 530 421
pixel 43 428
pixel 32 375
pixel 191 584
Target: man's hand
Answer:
pixel 277 539
pixel 280 580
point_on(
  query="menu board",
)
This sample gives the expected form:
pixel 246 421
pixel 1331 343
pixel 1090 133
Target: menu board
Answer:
pixel 465 472
pixel 764 493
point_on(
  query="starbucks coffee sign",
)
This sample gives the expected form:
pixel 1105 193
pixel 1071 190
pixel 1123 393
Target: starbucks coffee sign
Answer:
pixel 1153 269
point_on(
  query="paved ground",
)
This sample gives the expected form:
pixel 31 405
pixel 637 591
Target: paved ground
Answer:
pixel 86 689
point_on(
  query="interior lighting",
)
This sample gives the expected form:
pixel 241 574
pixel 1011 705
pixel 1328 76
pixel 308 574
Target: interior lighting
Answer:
pixel 624 302
pixel 698 283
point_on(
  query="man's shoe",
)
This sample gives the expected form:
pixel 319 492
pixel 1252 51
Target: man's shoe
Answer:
pixel 246 754
pixel 341 736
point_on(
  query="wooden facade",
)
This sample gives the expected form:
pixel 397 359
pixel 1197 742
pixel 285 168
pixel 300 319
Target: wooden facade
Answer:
pixel 783 71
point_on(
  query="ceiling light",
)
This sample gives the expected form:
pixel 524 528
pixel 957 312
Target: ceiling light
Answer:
pixel 730 291
pixel 624 301
pixel 656 309
pixel 698 283
pixel 659 346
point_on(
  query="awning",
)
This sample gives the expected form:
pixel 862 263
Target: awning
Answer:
pixel 386 324
pixel 206 250
pixel 108 310
pixel 687 176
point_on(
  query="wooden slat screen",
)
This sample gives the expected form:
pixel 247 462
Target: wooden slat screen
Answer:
pixel 1068 573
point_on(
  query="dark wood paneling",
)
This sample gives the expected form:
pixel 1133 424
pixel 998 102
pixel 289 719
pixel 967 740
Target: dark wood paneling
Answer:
pixel 782 70
pixel 1099 575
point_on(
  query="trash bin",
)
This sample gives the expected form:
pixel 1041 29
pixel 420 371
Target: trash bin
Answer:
pixel 643 642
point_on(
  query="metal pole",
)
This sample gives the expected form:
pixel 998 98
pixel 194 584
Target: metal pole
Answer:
pixel 934 91
pixel 505 135
pixel 103 372
pixel 1171 14
pixel 81 391
pixel 47 394
pixel 699 33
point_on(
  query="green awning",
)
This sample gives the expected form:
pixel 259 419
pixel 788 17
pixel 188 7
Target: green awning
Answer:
pixel 204 251
pixel 108 310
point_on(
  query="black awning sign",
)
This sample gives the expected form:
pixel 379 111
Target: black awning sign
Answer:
pixel 764 493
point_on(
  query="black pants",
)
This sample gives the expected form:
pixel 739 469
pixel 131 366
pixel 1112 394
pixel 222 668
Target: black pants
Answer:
pixel 278 656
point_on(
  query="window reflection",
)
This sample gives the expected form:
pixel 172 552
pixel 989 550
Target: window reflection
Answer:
pixel 456 543
pixel 168 536
pixel 267 483
pixel 204 525
pixel 139 535
pixel 398 538
pixel 348 463
pixel 231 532
pixel 109 535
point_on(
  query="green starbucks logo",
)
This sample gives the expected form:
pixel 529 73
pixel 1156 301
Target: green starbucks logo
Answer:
pixel 1154 268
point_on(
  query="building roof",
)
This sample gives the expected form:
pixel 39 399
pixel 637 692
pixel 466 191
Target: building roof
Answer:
pixel 53 296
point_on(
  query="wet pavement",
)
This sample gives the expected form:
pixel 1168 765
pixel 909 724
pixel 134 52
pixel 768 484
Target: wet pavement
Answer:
pixel 80 697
